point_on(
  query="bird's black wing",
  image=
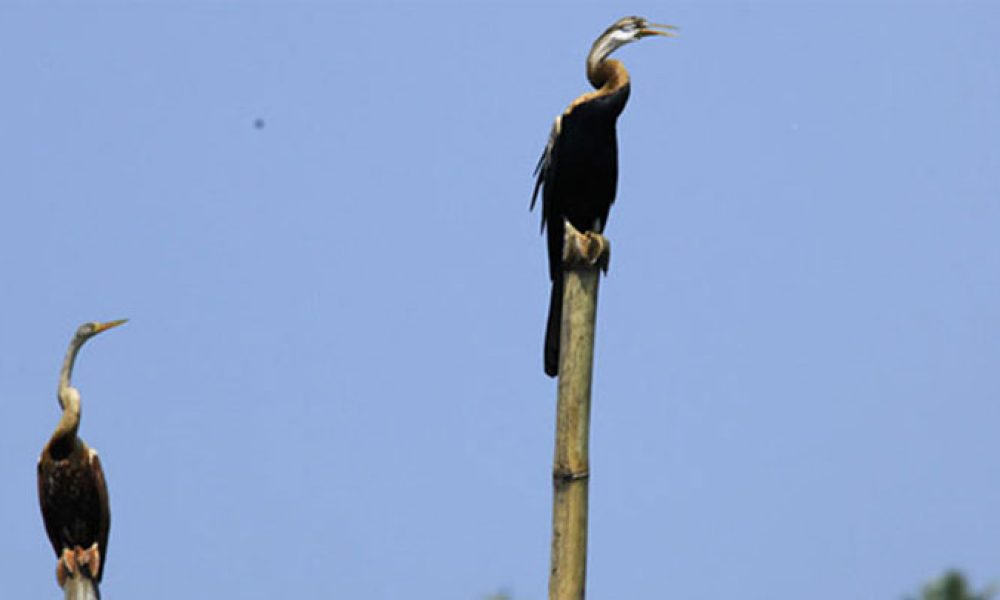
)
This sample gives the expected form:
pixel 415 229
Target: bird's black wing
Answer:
pixel 104 510
pixel 547 182
pixel 543 169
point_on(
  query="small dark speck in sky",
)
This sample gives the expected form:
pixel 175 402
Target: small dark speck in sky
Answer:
pixel 258 123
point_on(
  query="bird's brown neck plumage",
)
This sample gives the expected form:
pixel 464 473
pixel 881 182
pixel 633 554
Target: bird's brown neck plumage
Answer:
pixel 606 75
pixel 64 437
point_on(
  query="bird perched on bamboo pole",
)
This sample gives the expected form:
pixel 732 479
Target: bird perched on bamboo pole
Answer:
pixel 578 171
pixel 71 488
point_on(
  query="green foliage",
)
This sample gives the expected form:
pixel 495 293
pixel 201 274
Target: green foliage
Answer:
pixel 953 586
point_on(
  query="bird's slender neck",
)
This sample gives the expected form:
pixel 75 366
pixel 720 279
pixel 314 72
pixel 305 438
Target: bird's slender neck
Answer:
pixel 67 368
pixel 69 423
pixel 69 398
pixel 606 74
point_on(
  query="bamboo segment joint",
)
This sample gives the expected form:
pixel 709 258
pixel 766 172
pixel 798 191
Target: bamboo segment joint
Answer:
pixel 568 476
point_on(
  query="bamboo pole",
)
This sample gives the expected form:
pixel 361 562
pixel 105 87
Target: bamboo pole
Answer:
pixel 80 587
pixel 584 255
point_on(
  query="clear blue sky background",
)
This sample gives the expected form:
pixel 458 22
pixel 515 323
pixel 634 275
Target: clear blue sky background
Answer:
pixel 331 382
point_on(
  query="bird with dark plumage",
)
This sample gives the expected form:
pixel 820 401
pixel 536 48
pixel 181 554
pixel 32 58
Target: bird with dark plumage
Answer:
pixel 71 488
pixel 578 171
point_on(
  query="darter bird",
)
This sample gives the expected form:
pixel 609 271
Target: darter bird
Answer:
pixel 578 171
pixel 71 488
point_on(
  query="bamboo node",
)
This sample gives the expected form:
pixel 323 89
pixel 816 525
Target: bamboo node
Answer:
pixel 568 476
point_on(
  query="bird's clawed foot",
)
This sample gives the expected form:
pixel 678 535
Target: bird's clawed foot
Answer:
pixel 587 248
pixel 65 566
pixel 73 561
pixel 599 250
pixel 90 558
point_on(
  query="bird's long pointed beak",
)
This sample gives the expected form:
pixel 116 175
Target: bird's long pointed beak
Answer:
pixel 658 29
pixel 106 326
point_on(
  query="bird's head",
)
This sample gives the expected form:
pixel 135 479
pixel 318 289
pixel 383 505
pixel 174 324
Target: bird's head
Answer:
pixel 89 330
pixel 69 396
pixel 625 31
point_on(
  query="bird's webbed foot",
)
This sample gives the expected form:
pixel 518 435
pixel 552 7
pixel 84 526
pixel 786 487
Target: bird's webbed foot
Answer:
pixel 89 558
pixel 74 561
pixel 586 248
pixel 600 250
pixel 65 566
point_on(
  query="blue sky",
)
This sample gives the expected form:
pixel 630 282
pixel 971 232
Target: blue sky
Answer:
pixel 331 383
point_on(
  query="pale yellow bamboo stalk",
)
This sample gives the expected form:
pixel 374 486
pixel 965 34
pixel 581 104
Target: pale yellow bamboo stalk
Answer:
pixel 80 587
pixel 584 256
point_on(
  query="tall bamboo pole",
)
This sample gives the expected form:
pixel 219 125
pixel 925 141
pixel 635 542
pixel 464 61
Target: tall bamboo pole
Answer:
pixel 80 587
pixel 584 256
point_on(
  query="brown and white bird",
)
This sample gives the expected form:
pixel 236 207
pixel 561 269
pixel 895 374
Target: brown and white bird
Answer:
pixel 578 171
pixel 71 488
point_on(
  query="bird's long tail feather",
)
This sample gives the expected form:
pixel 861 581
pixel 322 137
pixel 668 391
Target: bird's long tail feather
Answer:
pixel 552 332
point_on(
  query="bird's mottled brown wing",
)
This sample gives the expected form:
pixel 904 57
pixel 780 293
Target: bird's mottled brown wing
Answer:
pixel 104 523
pixel 48 516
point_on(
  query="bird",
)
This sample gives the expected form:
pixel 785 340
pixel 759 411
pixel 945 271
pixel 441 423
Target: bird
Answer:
pixel 72 491
pixel 578 170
